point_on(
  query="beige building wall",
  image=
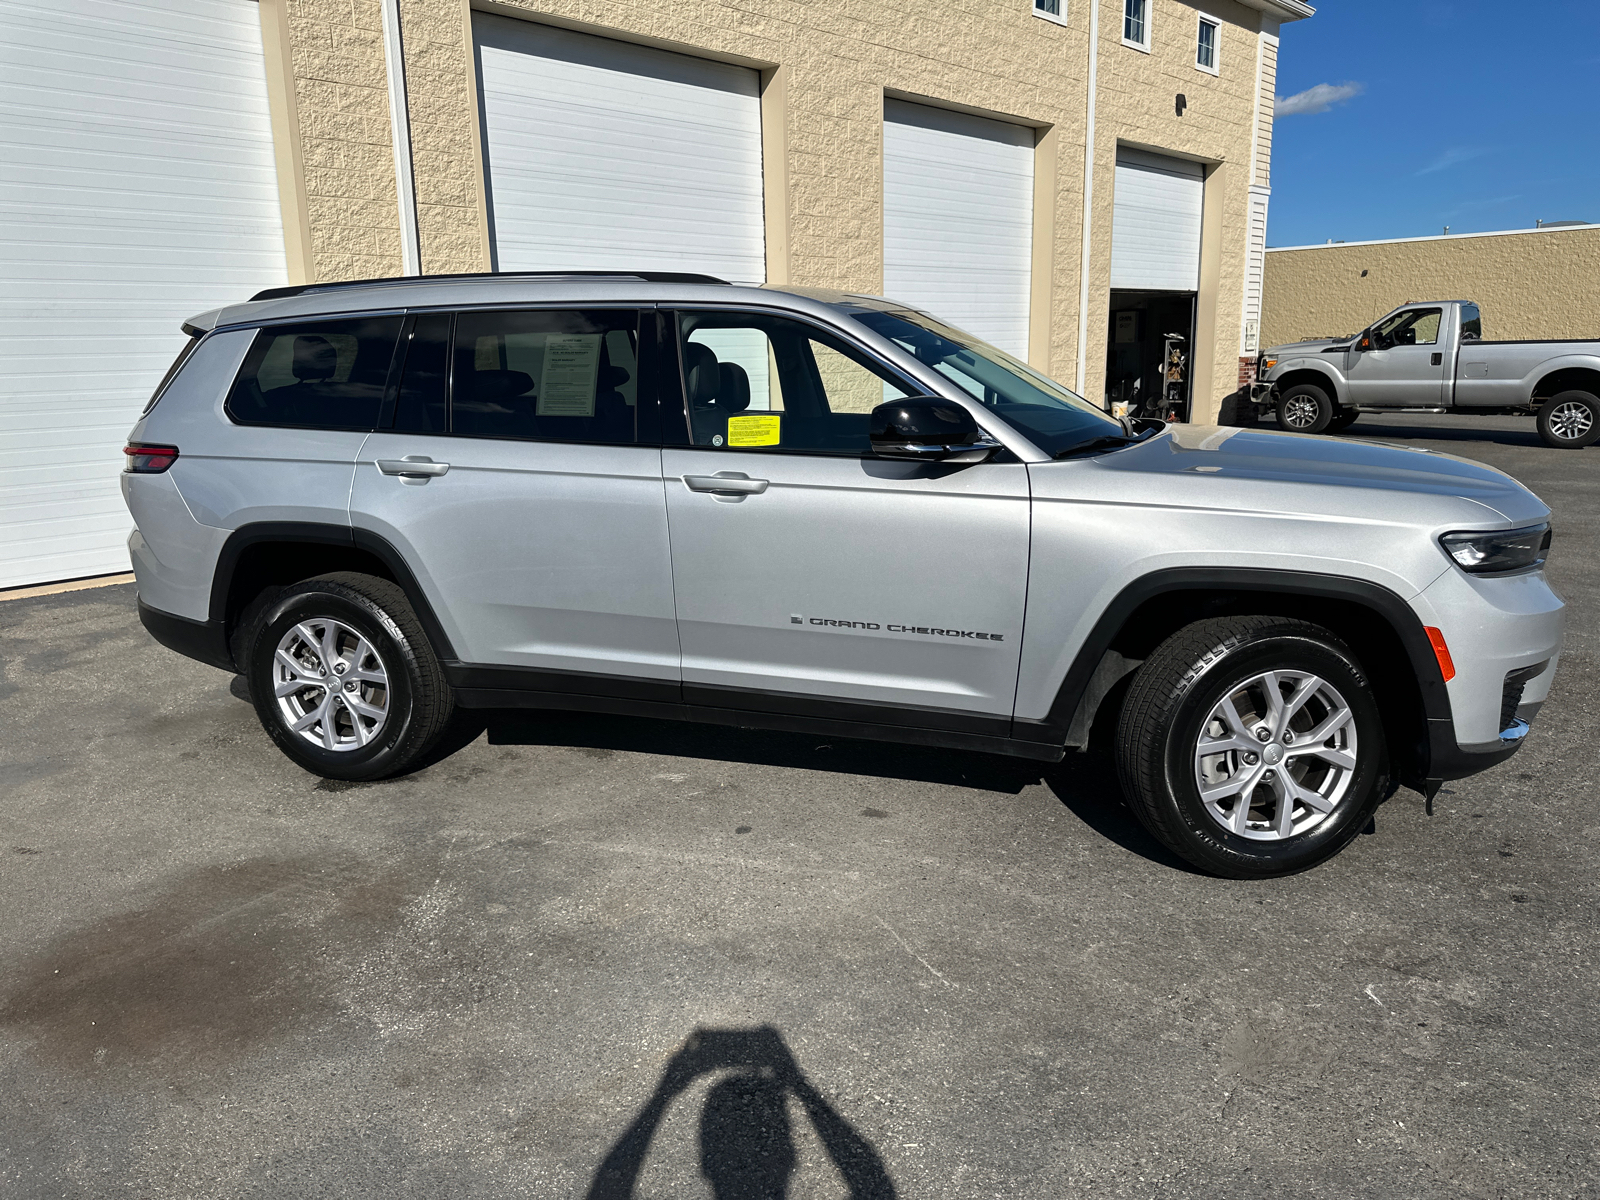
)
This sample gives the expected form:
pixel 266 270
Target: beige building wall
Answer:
pixel 826 68
pixel 1535 283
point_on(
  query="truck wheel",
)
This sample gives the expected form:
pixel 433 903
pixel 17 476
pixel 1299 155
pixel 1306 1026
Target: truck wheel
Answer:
pixel 1570 421
pixel 1343 419
pixel 1252 745
pixel 344 679
pixel 1305 408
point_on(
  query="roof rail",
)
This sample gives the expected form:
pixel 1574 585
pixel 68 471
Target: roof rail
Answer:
pixel 642 276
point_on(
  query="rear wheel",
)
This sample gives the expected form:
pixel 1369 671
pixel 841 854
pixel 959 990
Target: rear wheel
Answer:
pixel 1570 421
pixel 344 679
pixel 1252 746
pixel 1305 408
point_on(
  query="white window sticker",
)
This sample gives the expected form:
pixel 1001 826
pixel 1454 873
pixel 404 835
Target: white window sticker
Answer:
pixel 567 381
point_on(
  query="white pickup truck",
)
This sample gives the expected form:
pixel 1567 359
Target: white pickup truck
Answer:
pixel 1431 357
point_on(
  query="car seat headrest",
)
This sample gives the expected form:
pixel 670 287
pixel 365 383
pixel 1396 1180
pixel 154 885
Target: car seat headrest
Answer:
pixel 315 358
pixel 733 388
pixel 700 374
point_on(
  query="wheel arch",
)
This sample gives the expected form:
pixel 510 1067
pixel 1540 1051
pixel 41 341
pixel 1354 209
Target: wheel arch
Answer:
pixel 279 553
pixel 1568 378
pixel 1320 377
pixel 1382 630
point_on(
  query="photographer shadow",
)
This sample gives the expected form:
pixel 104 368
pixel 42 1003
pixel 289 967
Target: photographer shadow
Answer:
pixel 747 1149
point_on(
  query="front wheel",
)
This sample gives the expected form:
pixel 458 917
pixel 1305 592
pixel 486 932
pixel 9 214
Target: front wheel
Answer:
pixel 1305 408
pixel 1252 746
pixel 344 679
pixel 1570 421
pixel 1343 419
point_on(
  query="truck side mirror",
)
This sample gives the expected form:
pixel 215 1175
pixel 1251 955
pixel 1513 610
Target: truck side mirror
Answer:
pixel 1365 343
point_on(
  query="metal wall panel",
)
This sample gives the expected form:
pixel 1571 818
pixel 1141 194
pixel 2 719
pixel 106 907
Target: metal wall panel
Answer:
pixel 1155 225
pixel 137 187
pixel 604 155
pixel 958 219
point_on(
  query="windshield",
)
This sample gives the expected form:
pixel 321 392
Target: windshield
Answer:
pixel 1053 418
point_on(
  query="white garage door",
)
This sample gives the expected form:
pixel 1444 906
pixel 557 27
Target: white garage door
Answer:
pixel 137 188
pixel 1155 226
pixel 958 219
pixel 607 156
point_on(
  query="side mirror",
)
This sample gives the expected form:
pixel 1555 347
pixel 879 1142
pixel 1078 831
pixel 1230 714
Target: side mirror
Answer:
pixel 1365 343
pixel 929 429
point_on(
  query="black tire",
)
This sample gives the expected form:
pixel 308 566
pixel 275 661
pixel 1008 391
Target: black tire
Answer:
pixel 415 700
pixel 1570 421
pixel 1171 699
pixel 1342 420
pixel 1305 408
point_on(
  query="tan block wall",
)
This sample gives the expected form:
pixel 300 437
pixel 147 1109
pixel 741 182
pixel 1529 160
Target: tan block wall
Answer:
pixel 1536 284
pixel 341 97
pixel 838 59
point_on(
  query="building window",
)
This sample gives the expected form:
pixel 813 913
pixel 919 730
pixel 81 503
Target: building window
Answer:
pixel 1205 44
pixel 1136 24
pixel 1051 10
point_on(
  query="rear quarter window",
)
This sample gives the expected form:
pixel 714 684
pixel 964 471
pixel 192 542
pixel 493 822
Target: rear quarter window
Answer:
pixel 316 375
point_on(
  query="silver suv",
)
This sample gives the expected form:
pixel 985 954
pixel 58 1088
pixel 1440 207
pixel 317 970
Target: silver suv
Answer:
pixel 783 508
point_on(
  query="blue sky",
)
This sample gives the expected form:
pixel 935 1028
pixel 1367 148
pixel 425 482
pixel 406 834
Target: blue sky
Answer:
pixel 1417 115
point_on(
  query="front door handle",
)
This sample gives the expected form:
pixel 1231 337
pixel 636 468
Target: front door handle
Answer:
pixel 1437 360
pixel 725 483
pixel 413 466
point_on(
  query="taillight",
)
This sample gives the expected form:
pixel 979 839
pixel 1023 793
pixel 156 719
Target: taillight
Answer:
pixel 149 460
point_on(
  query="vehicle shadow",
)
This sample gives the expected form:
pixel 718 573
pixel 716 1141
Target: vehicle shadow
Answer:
pixel 1368 429
pixel 747 1148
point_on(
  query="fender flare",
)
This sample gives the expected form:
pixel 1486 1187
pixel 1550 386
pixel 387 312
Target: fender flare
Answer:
pixel 1384 603
pixel 1335 383
pixel 314 533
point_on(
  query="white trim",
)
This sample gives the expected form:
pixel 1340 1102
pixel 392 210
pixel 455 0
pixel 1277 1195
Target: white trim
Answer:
pixel 1282 10
pixel 1088 199
pixel 400 127
pixel 1054 18
pixel 1437 237
pixel 1216 44
pixel 1149 13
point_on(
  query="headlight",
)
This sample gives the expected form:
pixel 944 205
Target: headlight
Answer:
pixel 1499 553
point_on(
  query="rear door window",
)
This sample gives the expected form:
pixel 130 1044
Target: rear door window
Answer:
pixel 317 375
pixel 546 375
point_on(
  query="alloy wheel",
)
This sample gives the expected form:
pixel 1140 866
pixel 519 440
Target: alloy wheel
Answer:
pixel 1571 421
pixel 331 685
pixel 1276 755
pixel 1300 412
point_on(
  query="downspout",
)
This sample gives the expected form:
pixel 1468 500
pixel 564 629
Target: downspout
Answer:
pixel 400 126
pixel 1088 197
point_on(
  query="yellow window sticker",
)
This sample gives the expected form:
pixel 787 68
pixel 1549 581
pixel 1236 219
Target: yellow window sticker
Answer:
pixel 754 430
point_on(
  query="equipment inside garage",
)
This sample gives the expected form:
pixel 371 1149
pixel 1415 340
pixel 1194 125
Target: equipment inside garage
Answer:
pixel 1155 278
pixel 137 188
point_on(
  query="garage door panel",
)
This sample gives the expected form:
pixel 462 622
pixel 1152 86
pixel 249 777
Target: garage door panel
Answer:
pixel 604 155
pixel 1156 221
pixel 137 187
pixel 958 219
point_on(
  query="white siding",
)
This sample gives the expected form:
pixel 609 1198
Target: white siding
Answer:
pixel 1254 268
pixel 958 219
pixel 137 187
pixel 603 155
pixel 1155 226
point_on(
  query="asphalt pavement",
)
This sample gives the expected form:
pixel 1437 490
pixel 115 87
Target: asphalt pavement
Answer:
pixel 588 955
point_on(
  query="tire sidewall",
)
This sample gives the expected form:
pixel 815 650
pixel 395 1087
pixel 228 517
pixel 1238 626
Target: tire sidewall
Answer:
pixel 1548 435
pixel 1245 856
pixel 1325 411
pixel 308 601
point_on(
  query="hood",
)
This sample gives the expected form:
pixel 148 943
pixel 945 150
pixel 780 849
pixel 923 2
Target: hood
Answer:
pixel 1310 473
pixel 1308 346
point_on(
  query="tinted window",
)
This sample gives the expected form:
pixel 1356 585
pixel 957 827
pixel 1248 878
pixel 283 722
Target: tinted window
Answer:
pixel 1471 322
pixel 756 382
pixel 555 376
pixel 1051 417
pixel 420 405
pixel 323 375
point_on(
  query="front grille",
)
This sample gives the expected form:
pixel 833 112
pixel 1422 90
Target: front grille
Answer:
pixel 1511 693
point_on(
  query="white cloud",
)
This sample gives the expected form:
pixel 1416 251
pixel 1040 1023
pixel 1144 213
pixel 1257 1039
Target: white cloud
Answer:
pixel 1452 156
pixel 1318 99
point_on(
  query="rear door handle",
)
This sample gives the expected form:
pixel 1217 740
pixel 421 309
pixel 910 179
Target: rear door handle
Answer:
pixel 413 466
pixel 725 483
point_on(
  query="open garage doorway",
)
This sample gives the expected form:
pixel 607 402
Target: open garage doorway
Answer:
pixel 1149 353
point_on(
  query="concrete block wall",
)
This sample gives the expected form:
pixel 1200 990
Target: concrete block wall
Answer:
pixel 1542 283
